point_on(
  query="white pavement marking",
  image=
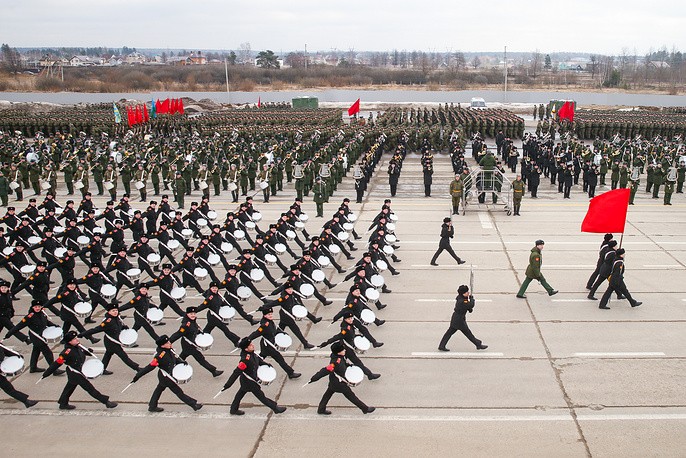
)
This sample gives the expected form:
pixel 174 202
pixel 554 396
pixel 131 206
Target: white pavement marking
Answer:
pixel 485 221
pixel 619 354
pixel 572 266
pixel 451 300
pixel 573 300
pixel 378 416
pixel 664 266
pixel 455 354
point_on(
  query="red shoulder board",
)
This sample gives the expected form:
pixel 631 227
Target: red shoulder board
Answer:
pixel 67 351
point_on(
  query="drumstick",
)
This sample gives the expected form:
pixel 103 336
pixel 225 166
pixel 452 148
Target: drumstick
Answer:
pixel 305 384
pixel 216 395
pixel 234 350
pixel 39 380
pixel 127 387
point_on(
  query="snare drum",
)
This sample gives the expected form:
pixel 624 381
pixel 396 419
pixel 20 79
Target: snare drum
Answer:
pixel 83 309
pixel 372 294
pixel 256 216
pixel 8 251
pixel 44 185
pixel 186 233
pixel 362 344
pixel 212 215
pixel 239 235
pixel 299 226
pixel 182 373
pixel 299 312
pixel 204 341
pixel 269 259
pixel 128 337
pixel 92 368
pixel 352 217
pixel 58 230
pixel 173 244
pixel 354 375
pixel 12 365
pixel 28 270
pixel 77 184
pixel 290 235
pixel 226 313
pixel 202 222
pixel 154 259
pixel 381 265
pixel 343 236
pixel 200 273
pixel 98 231
pixel 377 280
pixel 334 249
pixel 133 274
pixel 367 316
pixel 264 185
pixel 52 334
pixel 265 374
pixel 250 226
pixel 232 186
pixel 388 250
pixel 243 293
pixel 283 341
pixel 213 259
pixel 323 261
pixel 348 227
pixel 108 292
pixel 393 218
pixel 280 248
pixel 109 185
pixel 318 276
pixel 154 315
pixel 203 185
pixel 226 247
pixel 257 275
pixel 34 240
pixel 389 238
pixel 139 185
pixel 390 227
pixel 307 290
pixel 178 294
pixel 303 217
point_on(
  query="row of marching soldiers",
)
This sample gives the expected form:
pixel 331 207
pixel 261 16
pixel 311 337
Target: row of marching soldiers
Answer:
pixel 196 248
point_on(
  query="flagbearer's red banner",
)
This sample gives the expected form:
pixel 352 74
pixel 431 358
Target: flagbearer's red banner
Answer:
pixel 607 212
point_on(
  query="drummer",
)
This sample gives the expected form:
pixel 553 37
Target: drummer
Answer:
pixel 307 267
pixel 213 302
pixel 96 252
pixel 177 228
pixel 36 320
pixel 202 254
pixel 86 204
pixel 165 359
pixel 364 284
pixel 369 268
pixel 229 228
pixel 327 238
pixel 143 250
pixel 347 336
pixel 112 326
pixel 74 355
pixel 66 264
pixel 247 371
pixel 231 285
pixel 286 301
pixel 14 262
pixel 121 264
pixel 245 266
pixel 69 295
pixel 258 255
pixel 337 382
pixel 141 303
pixel 166 281
pixel 296 280
pixel 187 264
pixel 215 244
pixel 187 332
pixel 267 330
pixel 151 213
pixel 7 309
pixel 162 236
pixel 193 216
pixel 7 386
pixel 379 255
pixel 317 250
pixel 38 284
pixel 117 235
pixel 355 303
pixel 95 279
pixel 270 239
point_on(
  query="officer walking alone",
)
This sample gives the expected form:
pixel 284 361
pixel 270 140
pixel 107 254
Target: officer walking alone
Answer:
pixel 533 271
pixel 447 232
pixel 464 302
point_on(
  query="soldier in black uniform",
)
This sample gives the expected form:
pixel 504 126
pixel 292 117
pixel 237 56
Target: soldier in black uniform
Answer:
pixel 337 382
pixel 165 359
pixel 347 335
pixel 286 319
pixel 464 302
pixel 447 232
pixel 601 257
pixel 37 321
pixel 7 310
pixel 247 371
pixel 267 330
pixel 213 302
pixel 188 331
pixel 141 303
pixel 6 385
pixel 616 281
pixel 74 355
pixel 112 326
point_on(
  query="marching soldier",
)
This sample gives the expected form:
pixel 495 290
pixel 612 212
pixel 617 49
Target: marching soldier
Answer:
pixel 37 321
pixel 616 280
pixel 188 331
pixel 464 302
pixel 447 232
pixel 518 188
pixel 320 196
pixel 112 326
pixel 6 385
pixel 456 192
pixel 179 186
pixel 533 271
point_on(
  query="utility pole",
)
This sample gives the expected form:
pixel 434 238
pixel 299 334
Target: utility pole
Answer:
pixel 305 56
pixel 226 70
pixel 505 65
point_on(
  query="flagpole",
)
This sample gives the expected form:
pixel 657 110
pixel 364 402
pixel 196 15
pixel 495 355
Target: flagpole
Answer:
pixel 621 239
pixel 226 69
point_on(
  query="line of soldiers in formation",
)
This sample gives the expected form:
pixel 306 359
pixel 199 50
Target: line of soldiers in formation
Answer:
pixel 36 244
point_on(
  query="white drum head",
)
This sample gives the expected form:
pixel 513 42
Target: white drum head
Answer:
pixel 27 270
pixel 200 273
pixel 128 337
pixel 367 316
pixel 393 217
pixel 8 251
pixel 362 343
pixel 303 217
pixel 92 368
pixel 249 225
pixel 390 238
pixel 213 259
pixel 352 217
pixel 257 275
pixel 186 233
pixel 354 375
pixel 318 275
pixel 83 309
pixel 323 261
pixel 299 312
pixel 154 259
pixel 283 341
pixel 178 294
pixel 266 374
pixel 342 236
pixel 12 365
pixel 244 293
pixel 270 259
pixel 52 334
pixel 34 239
pixel 387 249
pixel 227 313
pixel 204 341
pixel 239 234
pixel 212 215
pixel 372 294
pixel 348 227
pixel 257 217
pixel 226 247
pixel 154 315
pixel 299 225
pixel 133 274
pixel 381 265
pixel 173 244
pixel 182 373
pixel 377 280
pixel 280 248
pixel 59 252
pixel 108 291
pixel 290 235
pixel 307 290
pixel 202 222
pixel 334 249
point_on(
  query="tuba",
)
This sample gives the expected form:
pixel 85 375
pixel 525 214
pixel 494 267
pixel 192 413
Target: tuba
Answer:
pixel 298 171
pixel 672 174
pixel 357 172
pixel 635 174
pixel 324 171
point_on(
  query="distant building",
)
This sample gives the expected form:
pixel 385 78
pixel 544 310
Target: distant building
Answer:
pixel 654 64
pixel 191 59
pixel 135 58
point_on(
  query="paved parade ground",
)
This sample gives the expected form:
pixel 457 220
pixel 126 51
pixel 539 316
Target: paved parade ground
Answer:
pixel 560 377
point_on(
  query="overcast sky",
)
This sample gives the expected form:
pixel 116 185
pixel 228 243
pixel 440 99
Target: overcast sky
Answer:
pixel 589 26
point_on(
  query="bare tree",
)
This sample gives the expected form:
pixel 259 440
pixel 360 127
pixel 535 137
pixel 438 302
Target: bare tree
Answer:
pixel 594 65
pixel 460 61
pixel 476 62
pixel 244 53
pixel 536 59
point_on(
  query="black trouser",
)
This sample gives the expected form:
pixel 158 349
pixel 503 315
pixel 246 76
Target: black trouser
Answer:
pixel 602 276
pixel 145 267
pixel 75 379
pixel 591 190
pixel 6 323
pixel 7 387
pixel 567 190
pixel 445 246
pixel 594 276
pixel 96 299
pixel 621 290
pixel 269 351
pixel 69 320
pixel 123 280
pixel 245 280
pixel 235 303
pixel 113 348
pixel 365 331
pixel 286 321
pixel 454 327
pixel 345 390
pixel 164 382
pixel 190 280
pixel 249 386
pixel 39 346
pixel 213 321
pixel 167 301
pixel 165 252
pixel 189 349
pixel 356 361
pixel 139 321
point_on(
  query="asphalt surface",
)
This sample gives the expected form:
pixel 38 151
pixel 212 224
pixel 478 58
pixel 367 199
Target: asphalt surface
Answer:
pixel 560 376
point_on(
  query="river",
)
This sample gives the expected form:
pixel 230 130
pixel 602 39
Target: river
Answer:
pixel 368 96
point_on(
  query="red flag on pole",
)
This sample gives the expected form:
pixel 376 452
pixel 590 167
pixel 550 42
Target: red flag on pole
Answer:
pixel 566 111
pixel 146 115
pixel 129 116
pixel 139 115
pixel 259 102
pixel 165 106
pixel 158 106
pixel 181 110
pixel 354 108
pixel 172 106
pixel 607 212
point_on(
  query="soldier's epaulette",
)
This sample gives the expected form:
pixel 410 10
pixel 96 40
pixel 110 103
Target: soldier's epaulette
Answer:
pixel 162 354
pixel 247 357
pixel 67 351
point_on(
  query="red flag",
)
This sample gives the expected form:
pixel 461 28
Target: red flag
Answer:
pixel 181 110
pixel 259 102
pixel 566 111
pixel 174 106
pixel 158 107
pixel 129 116
pixel 146 115
pixel 354 108
pixel 139 115
pixel 165 106
pixel 607 212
